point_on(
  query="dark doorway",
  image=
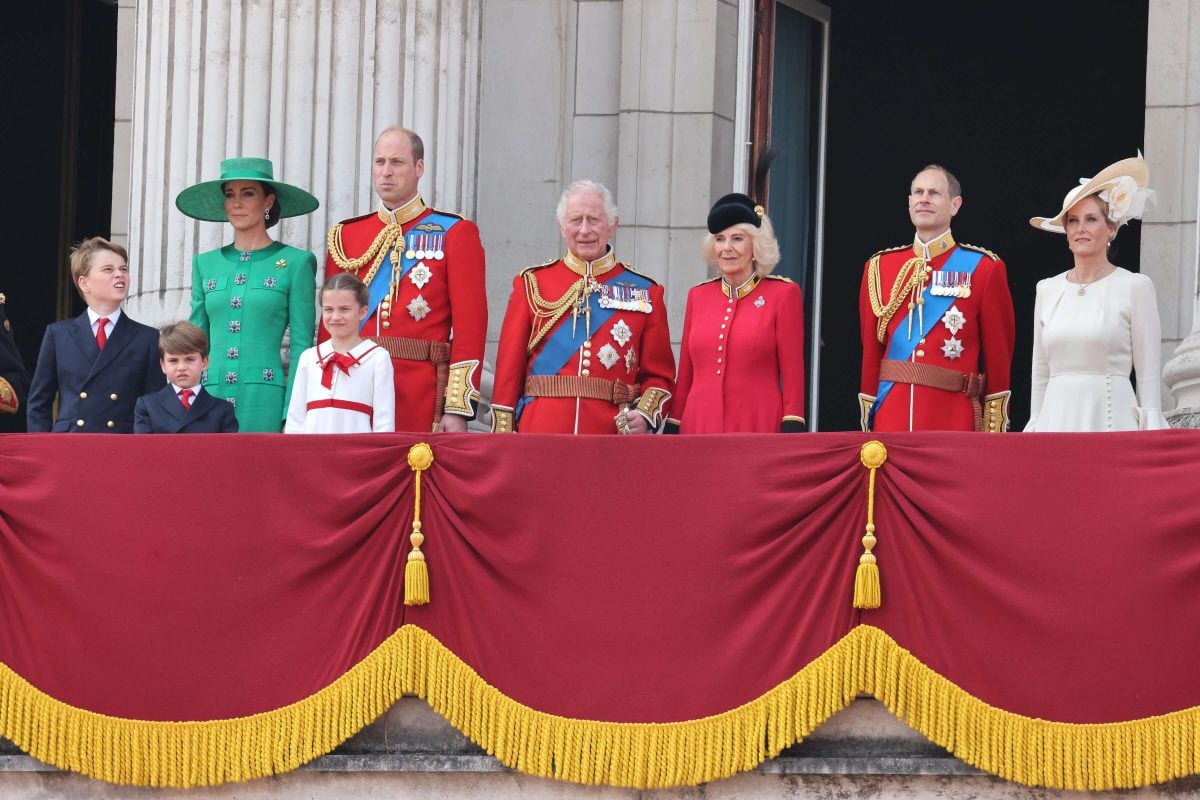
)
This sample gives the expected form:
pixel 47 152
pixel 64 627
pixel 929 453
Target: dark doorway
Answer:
pixel 60 77
pixel 1009 96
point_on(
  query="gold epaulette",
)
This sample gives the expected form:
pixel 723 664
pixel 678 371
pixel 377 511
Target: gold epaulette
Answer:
pixel 710 280
pixel 783 278
pixel 891 250
pixel 543 265
pixel 979 249
pixel 639 274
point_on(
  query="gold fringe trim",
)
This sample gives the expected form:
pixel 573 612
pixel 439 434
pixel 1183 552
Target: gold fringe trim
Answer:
pixel 643 755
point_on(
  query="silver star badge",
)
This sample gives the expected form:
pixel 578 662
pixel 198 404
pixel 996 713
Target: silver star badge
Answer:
pixel 420 275
pixel 608 356
pixel 621 333
pixel 954 320
pixel 418 308
pixel 952 348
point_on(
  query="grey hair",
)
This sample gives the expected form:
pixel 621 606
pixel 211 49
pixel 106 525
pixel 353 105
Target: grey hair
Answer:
pixel 585 185
pixel 765 246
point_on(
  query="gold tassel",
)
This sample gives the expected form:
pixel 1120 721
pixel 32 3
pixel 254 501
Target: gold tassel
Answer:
pixel 416 571
pixel 866 577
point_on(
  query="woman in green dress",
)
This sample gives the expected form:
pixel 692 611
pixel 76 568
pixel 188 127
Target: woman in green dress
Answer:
pixel 245 294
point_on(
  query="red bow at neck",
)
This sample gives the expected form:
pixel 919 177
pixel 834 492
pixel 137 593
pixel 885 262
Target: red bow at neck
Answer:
pixel 342 361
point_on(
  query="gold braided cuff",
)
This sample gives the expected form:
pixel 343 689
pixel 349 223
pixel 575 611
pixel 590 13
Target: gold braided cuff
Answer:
pixel 995 412
pixel 865 401
pixel 461 394
pixel 9 402
pixel 502 419
pixel 651 405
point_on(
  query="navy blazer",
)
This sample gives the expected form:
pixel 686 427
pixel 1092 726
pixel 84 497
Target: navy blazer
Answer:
pixel 162 412
pixel 96 389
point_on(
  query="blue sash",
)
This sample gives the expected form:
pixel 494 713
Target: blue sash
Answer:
pixel 902 344
pixel 562 343
pixel 382 282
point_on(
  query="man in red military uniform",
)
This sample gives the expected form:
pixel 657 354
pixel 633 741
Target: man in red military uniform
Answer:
pixel 937 325
pixel 584 347
pixel 424 269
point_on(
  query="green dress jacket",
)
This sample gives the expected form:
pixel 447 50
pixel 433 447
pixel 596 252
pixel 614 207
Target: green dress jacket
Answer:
pixel 244 302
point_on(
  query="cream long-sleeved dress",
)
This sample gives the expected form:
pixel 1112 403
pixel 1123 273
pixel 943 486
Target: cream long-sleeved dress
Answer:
pixel 1084 347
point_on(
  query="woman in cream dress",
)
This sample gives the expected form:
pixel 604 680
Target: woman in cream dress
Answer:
pixel 1096 322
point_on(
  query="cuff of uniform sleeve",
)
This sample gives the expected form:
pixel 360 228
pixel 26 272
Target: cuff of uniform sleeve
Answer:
pixel 671 427
pixel 651 405
pixel 502 420
pixel 995 412
pixel 793 425
pixel 865 401
pixel 461 394
pixel 9 402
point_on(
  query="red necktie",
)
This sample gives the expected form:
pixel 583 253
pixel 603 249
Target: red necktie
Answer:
pixel 185 397
pixel 100 337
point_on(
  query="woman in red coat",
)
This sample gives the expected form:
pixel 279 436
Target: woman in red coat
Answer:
pixel 741 362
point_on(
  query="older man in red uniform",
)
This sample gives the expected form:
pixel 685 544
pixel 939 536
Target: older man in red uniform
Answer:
pixel 937 325
pixel 424 269
pixel 584 347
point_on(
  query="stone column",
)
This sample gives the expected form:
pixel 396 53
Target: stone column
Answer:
pixel 677 95
pixel 1169 235
pixel 306 83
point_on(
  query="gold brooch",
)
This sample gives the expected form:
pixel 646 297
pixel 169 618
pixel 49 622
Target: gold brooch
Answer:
pixel 281 263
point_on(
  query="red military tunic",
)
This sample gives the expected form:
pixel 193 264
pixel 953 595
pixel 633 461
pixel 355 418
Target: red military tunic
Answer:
pixel 445 304
pixel 631 347
pixel 741 363
pixel 975 335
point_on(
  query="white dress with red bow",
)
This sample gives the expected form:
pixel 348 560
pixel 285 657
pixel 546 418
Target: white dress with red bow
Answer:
pixel 349 392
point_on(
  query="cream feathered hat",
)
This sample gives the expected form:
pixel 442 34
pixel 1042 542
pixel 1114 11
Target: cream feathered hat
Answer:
pixel 1121 186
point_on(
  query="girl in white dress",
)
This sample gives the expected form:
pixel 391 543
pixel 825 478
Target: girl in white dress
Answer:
pixel 343 385
pixel 1095 322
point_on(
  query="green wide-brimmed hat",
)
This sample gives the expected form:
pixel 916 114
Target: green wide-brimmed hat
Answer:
pixel 206 200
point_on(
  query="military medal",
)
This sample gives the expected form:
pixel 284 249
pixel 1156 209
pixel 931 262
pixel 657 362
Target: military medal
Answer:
pixel 440 252
pixel 951 284
pixel 621 333
pixel 420 254
pixel 626 297
pixel 410 254
pixel 608 356
pixel 418 308
pixel 952 348
pixel 954 320
pixel 420 275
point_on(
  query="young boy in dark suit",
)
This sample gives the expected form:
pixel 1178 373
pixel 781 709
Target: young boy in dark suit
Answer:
pixel 183 406
pixel 99 363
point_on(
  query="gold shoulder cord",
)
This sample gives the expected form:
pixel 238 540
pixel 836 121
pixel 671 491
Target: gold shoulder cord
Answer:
pixel 546 313
pixel 910 275
pixel 374 254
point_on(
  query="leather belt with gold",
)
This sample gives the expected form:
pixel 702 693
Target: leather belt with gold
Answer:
pixel 971 384
pixel 436 353
pixel 615 392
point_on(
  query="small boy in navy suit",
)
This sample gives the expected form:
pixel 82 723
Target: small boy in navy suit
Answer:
pixel 183 406
pixel 99 363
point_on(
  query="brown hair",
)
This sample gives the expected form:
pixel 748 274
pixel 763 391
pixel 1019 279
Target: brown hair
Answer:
pixel 418 146
pixel 346 281
pixel 82 253
pixel 181 339
pixel 951 182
